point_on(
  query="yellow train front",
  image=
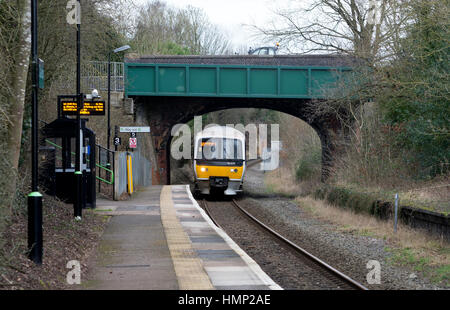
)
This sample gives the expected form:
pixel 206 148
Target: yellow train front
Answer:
pixel 219 161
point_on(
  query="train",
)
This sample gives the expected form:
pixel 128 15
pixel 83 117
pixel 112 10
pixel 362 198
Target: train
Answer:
pixel 219 161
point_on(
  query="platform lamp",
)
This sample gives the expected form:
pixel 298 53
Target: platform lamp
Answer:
pixel 35 244
pixel 117 50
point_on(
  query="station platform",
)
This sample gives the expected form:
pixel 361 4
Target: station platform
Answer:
pixel 162 240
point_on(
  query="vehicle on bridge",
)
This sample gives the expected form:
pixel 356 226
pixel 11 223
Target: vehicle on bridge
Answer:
pixel 219 161
pixel 265 50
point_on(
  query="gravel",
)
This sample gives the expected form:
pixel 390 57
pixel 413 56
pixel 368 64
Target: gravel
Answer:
pixel 347 252
pixel 288 269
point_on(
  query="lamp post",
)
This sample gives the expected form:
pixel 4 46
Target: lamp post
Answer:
pixel 34 198
pixel 117 50
pixel 78 201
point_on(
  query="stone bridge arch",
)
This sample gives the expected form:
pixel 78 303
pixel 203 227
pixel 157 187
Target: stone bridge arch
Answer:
pixel 162 113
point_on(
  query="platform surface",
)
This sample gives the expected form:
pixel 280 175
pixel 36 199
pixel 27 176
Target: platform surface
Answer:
pixel 161 239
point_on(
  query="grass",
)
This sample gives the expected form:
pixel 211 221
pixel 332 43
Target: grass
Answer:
pixel 442 274
pixel 282 182
pixel 408 256
pixel 414 249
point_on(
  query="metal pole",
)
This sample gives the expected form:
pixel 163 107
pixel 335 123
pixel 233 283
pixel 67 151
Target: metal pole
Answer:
pixel 109 106
pixel 99 170
pixel 78 173
pixel 395 213
pixel 34 198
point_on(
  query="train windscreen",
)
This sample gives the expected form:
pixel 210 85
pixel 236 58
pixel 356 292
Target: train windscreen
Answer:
pixel 220 149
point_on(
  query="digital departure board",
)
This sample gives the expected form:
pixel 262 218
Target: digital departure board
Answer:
pixel 89 108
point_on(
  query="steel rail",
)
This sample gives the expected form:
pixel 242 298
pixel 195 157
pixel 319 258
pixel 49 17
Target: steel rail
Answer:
pixel 208 212
pixel 253 162
pixel 297 248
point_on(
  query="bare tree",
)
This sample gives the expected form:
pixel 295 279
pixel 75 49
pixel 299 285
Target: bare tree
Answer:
pixel 161 29
pixel 15 42
pixel 205 37
pixel 57 48
pixel 367 29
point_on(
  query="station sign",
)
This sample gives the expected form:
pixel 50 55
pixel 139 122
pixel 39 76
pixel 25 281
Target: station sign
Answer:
pixel 135 129
pixel 69 107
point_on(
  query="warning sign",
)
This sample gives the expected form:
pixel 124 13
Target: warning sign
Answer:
pixel 133 143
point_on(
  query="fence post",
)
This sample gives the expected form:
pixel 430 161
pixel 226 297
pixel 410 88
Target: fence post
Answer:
pixel 130 173
pixel 395 215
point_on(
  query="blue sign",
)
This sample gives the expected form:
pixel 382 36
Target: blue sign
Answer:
pixel 41 73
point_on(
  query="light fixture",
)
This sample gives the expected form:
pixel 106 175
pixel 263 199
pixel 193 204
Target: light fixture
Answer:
pixel 121 49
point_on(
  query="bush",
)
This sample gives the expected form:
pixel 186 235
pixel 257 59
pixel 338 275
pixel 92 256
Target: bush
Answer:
pixel 308 166
pixel 352 200
pixel 418 101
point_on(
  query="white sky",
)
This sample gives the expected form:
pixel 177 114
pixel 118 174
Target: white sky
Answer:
pixel 231 15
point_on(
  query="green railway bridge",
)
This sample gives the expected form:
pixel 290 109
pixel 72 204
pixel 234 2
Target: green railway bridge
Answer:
pixel 173 89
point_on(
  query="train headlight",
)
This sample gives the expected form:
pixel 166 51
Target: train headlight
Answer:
pixel 233 170
pixel 203 169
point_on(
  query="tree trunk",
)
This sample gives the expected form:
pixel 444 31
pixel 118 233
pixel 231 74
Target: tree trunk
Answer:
pixel 18 95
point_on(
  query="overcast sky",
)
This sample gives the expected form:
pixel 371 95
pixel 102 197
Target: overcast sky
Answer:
pixel 231 15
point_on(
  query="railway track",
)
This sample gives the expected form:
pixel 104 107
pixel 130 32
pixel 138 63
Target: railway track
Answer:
pixel 253 162
pixel 332 274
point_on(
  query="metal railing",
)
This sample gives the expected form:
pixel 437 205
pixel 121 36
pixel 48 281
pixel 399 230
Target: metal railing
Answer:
pixel 94 74
pixel 106 163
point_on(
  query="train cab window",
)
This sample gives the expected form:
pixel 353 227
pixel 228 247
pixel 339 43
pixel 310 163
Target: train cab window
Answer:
pixel 220 148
